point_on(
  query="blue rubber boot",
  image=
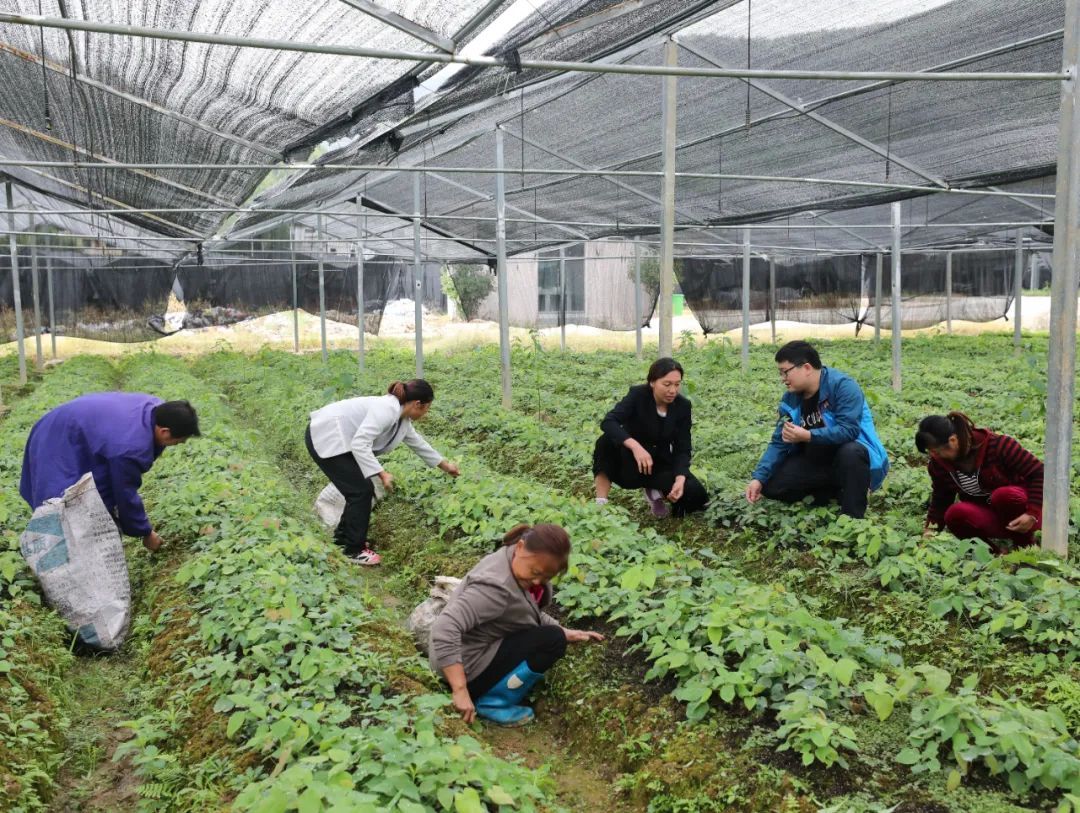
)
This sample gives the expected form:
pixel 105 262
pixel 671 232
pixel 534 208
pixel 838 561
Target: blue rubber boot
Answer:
pixel 502 704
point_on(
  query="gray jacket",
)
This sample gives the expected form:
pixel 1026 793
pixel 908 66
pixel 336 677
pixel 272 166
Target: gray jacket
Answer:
pixel 484 609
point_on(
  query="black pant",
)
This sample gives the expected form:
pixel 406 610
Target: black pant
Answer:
pixel 539 647
pixel 617 463
pixel 843 474
pixel 344 472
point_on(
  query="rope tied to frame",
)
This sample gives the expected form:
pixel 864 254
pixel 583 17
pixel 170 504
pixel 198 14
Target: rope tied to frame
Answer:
pixel 748 66
pixel 44 74
pixel 888 136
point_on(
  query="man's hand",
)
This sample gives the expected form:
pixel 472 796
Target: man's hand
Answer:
pixel 753 491
pixel 152 541
pixel 1022 524
pixel 677 490
pixel 450 468
pixel 580 636
pixel 793 433
pixel 642 458
pixel 387 480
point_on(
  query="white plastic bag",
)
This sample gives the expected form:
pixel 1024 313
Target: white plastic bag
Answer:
pixel 330 503
pixel 73 547
pixel 423 617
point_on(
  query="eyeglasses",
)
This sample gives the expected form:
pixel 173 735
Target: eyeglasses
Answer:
pixel 785 373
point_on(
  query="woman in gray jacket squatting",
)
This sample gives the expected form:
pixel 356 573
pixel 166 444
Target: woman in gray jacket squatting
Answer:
pixel 493 641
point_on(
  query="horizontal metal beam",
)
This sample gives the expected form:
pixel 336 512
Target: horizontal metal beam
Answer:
pixel 529 64
pixel 614 173
pixel 403 24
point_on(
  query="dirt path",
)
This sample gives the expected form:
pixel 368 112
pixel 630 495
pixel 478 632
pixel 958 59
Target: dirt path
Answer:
pixel 89 780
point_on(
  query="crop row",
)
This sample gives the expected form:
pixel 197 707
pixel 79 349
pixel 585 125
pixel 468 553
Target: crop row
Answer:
pixel 722 636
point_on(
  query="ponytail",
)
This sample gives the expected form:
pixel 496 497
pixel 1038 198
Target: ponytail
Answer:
pixel 416 389
pixel 542 538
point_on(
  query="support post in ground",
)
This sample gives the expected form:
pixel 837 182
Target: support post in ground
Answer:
pixel 948 292
pixel 639 315
pixel 896 308
pixel 35 286
pixel 1018 288
pixel 13 246
pixel 360 306
pixel 746 301
pixel 295 303
pixel 877 297
pixel 669 103
pixel 52 303
pixel 418 278
pixel 562 298
pixel 772 298
pixel 1061 379
pixel 500 270
pixel 321 249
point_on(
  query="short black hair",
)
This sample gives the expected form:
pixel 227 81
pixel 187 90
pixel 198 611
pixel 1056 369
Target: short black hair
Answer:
pixel 799 353
pixel 178 417
pixel 661 367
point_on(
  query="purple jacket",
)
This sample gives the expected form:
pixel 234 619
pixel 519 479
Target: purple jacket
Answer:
pixel 108 433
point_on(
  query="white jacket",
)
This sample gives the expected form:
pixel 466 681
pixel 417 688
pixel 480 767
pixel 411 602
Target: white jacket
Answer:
pixel 369 428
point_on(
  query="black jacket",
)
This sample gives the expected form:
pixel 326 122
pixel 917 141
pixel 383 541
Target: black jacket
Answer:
pixel 667 440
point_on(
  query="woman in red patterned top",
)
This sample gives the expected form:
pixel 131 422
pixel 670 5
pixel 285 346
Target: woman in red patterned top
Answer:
pixel 999 482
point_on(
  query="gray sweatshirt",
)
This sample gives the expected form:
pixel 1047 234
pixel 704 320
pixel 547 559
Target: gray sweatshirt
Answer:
pixel 484 609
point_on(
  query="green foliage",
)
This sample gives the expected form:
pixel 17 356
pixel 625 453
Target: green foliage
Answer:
pixel 468 286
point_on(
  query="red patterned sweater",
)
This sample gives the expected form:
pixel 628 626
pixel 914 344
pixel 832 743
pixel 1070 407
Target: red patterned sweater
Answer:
pixel 1000 461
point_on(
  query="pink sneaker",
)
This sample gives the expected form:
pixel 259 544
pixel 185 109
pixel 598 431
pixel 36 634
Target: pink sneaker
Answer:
pixel 657 503
pixel 366 557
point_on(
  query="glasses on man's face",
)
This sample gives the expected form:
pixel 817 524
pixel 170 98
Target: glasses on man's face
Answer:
pixel 785 373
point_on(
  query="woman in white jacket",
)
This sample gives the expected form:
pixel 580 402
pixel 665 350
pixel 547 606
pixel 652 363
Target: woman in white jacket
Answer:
pixel 346 438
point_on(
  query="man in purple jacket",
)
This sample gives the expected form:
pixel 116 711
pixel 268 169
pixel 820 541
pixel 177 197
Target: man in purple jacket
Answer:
pixel 115 435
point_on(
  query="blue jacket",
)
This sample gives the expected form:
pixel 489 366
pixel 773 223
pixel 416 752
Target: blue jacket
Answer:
pixel 110 434
pixel 847 417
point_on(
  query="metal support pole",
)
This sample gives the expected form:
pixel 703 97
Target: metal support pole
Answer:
pixel 35 286
pixel 500 259
pixel 1034 262
pixel 877 298
pixel 667 231
pixel 1061 381
pixel 418 279
pixel 948 292
pixel 295 300
pixel 16 291
pixel 772 299
pixel 639 316
pixel 1018 288
pixel 359 286
pixel 321 248
pixel 746 301
pixel 562 299
pixel 896 305
pixel 52 304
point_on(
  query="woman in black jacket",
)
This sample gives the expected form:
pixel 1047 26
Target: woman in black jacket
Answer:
pixel 646 444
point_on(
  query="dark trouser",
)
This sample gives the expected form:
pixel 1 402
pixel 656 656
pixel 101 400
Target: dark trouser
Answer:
pixel 617 463
pixel 844 475
pixel 539 647
pixel 344 472
pixel 987 520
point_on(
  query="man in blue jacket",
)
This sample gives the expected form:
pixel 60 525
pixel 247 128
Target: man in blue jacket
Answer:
pixel 117 436
pixel 825 445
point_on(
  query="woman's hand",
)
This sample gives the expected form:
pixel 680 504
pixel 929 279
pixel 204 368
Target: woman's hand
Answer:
pixel 580 636
pixel 929 531
pixel 387 480
pixel 152 541
pixel 677 490
pixel 463 704
pixel 450 468
pixel 1022 524
pixel 641 457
